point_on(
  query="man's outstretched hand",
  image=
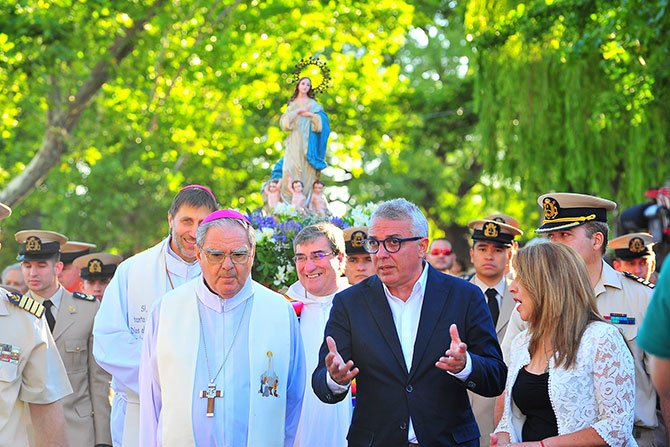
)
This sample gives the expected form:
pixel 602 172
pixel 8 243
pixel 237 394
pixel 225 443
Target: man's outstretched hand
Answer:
pixel 340 372
pixel 455 357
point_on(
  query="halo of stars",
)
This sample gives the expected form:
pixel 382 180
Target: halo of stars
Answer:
pixel 321 65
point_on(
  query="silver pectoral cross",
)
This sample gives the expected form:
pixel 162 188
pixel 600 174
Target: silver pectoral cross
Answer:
pixel 210 394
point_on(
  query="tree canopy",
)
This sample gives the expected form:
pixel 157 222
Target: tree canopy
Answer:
pixel 109 107
pixel 571 94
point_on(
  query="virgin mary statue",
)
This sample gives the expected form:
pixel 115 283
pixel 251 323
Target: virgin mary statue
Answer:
pixel 305 146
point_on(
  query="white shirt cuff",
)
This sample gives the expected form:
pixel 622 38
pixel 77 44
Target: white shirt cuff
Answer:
pixel 335 387
pixel 465 372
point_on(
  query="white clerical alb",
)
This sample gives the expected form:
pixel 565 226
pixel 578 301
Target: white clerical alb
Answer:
pixel 262 378
pixel 139 282
pixel 321 424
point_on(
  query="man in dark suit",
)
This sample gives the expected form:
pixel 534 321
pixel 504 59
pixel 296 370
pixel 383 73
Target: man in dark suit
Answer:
pixel 415 339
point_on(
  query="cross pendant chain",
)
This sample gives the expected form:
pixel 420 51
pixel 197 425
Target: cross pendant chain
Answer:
pixel 210 394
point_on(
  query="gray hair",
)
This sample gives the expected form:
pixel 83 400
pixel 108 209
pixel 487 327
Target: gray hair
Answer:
pixel 225 223
pixel 8 269
pixel 334 235
pixel 401 209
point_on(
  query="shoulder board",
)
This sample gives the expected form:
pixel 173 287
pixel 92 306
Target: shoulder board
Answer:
pixel 638 279
pixel 26 303
pixel 467 277
pixel 83 296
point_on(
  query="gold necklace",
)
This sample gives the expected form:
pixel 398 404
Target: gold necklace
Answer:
pixel 546 357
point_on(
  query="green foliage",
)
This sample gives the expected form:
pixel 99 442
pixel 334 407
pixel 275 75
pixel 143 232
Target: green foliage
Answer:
pixel 571 94
pixel 432 155
pixel 197 100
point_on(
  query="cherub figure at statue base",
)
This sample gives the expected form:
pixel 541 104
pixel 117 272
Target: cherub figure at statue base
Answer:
pixel 272 194
pixel 317 202
pixel 298 199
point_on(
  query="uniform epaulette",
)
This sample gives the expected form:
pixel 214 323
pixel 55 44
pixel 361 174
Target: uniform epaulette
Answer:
pixel 467 277
pixel 83 296
pixel 26 303
pixel 638 279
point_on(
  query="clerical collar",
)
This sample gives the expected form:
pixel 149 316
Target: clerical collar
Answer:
pixel 297 292
pixel 216 303
pixel 500 287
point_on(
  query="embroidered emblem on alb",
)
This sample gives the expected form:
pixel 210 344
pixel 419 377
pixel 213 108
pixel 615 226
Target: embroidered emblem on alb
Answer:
pixel 269 380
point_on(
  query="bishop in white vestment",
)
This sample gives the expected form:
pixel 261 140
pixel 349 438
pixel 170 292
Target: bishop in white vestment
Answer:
pixel 222 360
pixel 320 259
pixel 137 284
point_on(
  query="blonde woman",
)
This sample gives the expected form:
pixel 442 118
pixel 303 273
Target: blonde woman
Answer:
pixel 571 380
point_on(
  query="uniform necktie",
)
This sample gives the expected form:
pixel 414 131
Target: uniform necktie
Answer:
pixel 50 317
pixel 492 296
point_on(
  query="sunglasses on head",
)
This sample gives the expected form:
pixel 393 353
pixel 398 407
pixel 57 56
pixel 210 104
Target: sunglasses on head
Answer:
pixel 444 251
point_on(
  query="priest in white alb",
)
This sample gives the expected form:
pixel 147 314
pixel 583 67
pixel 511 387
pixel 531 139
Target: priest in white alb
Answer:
pixel 222 359
pixel 137 283
pixel 319 260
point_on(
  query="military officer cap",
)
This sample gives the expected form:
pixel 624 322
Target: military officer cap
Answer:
pixel 96 266
pixel 567 210
pixel 354 237
pixel 38 245
pixel 484 230
pixel 5 211
pixel 632 246
pixel 504 218
pixel 73 249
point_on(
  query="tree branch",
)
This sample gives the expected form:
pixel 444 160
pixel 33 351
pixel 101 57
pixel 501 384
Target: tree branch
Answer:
pixel 61 121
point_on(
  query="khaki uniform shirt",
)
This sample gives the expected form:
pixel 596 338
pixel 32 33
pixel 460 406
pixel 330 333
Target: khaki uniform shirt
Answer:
pixel 31 371
pixel 87 409
pixel 615 293
pixel 483 407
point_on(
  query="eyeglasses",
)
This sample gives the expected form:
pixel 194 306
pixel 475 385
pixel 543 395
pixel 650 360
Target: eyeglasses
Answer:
pixel 314 256
pixel 437 251
pixel 391 244
pixel 218 257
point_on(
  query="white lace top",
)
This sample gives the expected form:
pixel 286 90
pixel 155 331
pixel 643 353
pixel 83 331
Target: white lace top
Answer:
pixel 598 391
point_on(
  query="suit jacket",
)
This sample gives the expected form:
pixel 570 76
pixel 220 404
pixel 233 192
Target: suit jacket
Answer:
pixel 483 407
pixel 386 394
pixel 87 409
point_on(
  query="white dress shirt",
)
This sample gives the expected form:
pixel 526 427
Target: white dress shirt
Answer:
pixel 406 316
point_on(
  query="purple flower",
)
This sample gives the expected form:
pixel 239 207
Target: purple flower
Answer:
pixel 260 220
pixel 339 223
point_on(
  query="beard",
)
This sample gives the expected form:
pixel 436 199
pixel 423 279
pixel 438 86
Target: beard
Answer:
pixel 179 246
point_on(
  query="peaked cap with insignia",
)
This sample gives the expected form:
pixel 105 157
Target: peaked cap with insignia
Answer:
pixel 484 230
pixel 354 238
pixel 504 218
pixel 564 210
pixel 97 265
pixel 73 249
pixel 5 211
pixel 38 245
pixel 632 246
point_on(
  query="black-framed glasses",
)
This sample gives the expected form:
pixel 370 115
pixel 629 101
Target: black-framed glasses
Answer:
pixel 314 256
pixel 391 244
pixel 218 257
